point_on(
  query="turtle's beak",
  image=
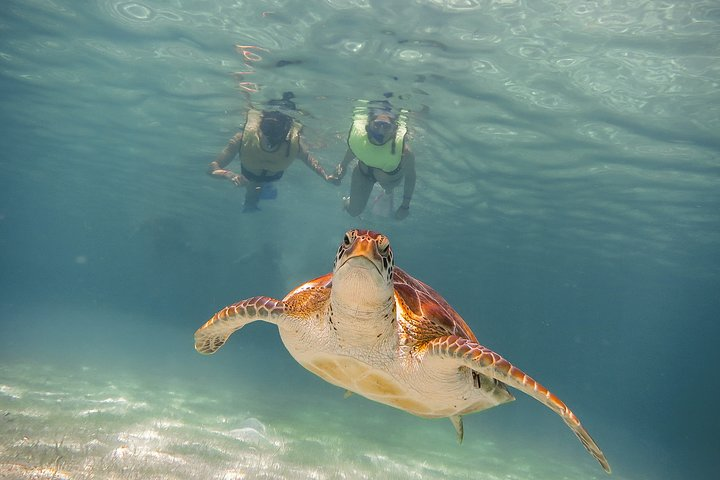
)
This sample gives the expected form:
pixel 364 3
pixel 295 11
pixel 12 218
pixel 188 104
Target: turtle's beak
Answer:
pixel 361 261
pixel 363 250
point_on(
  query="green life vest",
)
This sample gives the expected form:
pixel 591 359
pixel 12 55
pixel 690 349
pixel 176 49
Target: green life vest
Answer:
pixel 377 156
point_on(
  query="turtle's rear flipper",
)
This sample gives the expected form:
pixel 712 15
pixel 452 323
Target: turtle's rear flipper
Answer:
pixel 458 424
pixel 213 335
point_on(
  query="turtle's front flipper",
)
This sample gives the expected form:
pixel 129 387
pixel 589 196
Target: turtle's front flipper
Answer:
pixel 487 362
pixel 216 331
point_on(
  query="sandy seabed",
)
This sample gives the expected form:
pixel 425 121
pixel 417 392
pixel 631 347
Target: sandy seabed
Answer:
pixel 76 423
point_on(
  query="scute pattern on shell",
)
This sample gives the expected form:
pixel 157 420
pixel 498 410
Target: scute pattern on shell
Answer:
pixel 424 313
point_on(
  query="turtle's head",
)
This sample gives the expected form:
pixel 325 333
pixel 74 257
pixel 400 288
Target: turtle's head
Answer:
pixel 362 277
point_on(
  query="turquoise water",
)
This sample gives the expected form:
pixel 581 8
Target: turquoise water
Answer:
pixel 567 205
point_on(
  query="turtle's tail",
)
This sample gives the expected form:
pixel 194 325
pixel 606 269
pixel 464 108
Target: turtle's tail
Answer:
pixel 213 335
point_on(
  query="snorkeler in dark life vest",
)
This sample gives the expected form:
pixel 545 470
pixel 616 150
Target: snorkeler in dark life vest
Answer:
pixel 269 142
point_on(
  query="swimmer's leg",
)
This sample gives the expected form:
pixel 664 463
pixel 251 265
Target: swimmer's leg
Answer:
pixel 361 185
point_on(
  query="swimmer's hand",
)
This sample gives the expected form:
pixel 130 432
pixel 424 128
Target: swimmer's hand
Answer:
pixel 334 179
pixel 402 212
pixel 237 180
pixel 339 171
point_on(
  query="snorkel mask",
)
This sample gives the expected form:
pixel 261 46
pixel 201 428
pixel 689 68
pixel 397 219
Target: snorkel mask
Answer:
pixel 379 127
pixel 275 127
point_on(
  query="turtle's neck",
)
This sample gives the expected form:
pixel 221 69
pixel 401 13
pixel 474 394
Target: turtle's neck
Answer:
pixel 358 329
pixel 362 310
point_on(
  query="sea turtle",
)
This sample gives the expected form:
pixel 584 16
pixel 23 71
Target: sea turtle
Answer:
pixel 370 328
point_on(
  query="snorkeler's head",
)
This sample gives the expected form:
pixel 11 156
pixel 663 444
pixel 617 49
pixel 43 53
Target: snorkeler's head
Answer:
pixel 275 126
pixel 381 125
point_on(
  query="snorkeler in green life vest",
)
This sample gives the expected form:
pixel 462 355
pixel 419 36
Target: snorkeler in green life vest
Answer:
pixel 378 141
pixel 267 145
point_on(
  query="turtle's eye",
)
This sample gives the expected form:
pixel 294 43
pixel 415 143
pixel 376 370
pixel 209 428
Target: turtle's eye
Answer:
pixel 383 245
pixel 346 240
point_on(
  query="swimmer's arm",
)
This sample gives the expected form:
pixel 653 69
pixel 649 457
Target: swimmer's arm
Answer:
pixel 341 168
pixel 409 183
pixel 311 161
pixel 217 167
